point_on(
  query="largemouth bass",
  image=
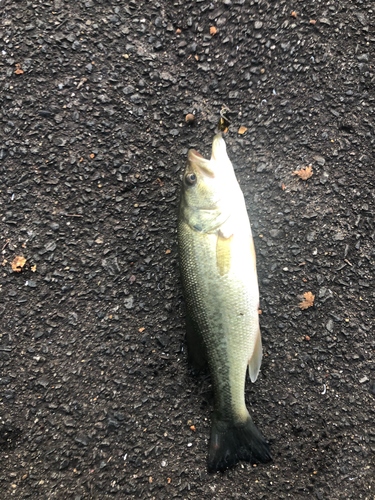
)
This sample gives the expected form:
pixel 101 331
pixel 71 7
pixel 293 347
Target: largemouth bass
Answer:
pixel 219 277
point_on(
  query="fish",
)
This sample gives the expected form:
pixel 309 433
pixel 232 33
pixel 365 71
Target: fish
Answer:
pixel 219 279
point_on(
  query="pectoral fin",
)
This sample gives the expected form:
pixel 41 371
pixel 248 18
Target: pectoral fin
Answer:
pixel 223 253
pixel 256 359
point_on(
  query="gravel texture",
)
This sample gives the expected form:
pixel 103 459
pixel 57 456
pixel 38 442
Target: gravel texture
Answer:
pixel 96 398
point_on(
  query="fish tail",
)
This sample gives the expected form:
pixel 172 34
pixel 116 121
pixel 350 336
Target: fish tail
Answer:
pixel 231 442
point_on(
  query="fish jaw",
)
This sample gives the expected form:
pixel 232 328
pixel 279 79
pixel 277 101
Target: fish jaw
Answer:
pixel 219 156
pixel 197 162
pixel 219 149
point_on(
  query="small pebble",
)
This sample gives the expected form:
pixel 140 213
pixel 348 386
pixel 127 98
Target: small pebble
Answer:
pixel 190 118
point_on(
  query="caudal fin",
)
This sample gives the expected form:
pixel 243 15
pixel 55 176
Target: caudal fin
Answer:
pixel 231 442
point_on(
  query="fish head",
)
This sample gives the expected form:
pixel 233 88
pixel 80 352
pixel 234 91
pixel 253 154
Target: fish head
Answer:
pixel 207 184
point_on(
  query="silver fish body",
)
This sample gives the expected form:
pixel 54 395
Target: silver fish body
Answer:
pixel 218 270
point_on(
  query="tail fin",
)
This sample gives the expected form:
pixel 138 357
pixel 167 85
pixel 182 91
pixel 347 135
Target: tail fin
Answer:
pixel 231 442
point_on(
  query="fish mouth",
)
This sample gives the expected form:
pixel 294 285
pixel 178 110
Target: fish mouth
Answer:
pixel 200 163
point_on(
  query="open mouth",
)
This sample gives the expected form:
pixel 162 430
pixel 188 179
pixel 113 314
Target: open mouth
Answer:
pixel 201 163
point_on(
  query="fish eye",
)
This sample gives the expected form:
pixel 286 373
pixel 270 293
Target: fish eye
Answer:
pixel 190 179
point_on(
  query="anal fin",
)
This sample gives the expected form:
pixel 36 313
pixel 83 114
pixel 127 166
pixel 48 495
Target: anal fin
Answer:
pixel 256 358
